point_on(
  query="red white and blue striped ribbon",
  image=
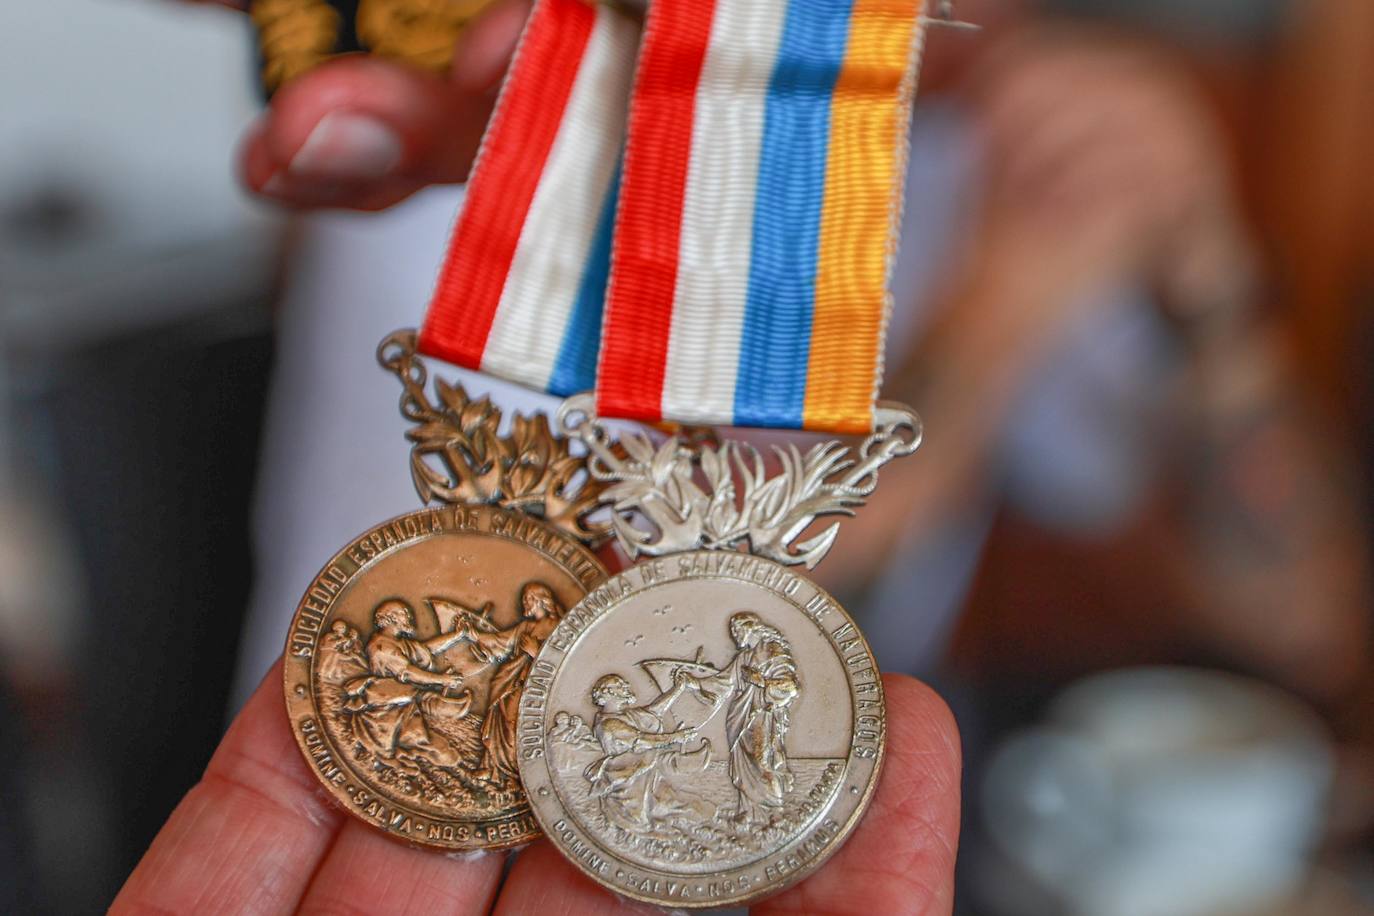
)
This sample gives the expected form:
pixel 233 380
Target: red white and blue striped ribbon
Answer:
pixel 759 211
pixel 756 216
pixel 522 290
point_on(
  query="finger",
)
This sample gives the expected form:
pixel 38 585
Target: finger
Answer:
pixel 262 173
pixel 1098 170
pixel 1027 72
pixel 1041 77
pixel 351 195
pixel 901 857
pixel 364 867
pixel 360 123
pixel 366 132
pixel 1149 119
pixel 249 835
pixel 544 882
pixel 1088 130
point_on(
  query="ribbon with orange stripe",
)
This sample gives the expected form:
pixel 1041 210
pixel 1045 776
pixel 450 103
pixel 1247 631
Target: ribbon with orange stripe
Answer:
pixel 758 213
pixel 736 264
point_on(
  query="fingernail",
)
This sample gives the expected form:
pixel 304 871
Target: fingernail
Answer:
pixel 350 146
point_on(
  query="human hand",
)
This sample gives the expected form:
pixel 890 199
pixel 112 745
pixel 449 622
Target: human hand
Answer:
pixel 259 834
pixel 1102 163
pixel 685 737
pixel 1102 168
pixel 365 133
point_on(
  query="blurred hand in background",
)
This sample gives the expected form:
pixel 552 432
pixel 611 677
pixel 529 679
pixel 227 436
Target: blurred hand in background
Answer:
pixel 365 133
pixel 1102 171
pixel 1100 168
pixel 1102 164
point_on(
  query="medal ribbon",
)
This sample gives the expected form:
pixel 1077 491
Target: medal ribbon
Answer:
pixel 744 274
pixel 521 291
pixel 758 213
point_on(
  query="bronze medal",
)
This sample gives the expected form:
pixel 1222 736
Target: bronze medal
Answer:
pixel 408 653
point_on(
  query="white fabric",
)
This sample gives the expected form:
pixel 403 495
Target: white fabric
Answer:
pixel 718 211
pixel 537 302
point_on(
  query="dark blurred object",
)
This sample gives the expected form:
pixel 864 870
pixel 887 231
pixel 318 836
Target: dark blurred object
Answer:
pixel 135 338
pixel 1229 21
pixel 298 35
pixel 150 445
pixel 1309 150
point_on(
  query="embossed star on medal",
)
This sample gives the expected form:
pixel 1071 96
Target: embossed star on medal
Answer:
pixel 708 726
pixel 407 655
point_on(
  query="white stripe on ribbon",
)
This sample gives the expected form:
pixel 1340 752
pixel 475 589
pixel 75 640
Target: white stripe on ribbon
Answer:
pixel 537 300
pixel 718 211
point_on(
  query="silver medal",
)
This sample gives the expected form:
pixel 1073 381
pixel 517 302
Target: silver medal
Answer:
pixel 707 727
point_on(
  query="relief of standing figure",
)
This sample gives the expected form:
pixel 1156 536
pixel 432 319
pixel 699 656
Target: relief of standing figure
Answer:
pixel 514 649
pixel 761 681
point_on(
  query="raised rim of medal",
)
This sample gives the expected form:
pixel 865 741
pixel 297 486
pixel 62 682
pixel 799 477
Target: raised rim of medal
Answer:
pixel 297 692
pixel 541 791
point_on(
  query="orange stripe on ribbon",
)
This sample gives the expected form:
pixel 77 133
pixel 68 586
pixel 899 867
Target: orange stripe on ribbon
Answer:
pixel 866 165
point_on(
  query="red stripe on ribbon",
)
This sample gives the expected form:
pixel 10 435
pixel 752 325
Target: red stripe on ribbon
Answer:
pixel 504 180
pixel 644 266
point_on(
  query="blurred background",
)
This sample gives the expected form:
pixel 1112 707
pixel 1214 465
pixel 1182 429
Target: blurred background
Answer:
pixel 1134 555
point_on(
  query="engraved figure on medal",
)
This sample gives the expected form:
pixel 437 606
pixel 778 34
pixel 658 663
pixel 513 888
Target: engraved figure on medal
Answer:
pixel 408 654
pixel 659 784
pixel 513 650
pixel 762 682
pixel 434 718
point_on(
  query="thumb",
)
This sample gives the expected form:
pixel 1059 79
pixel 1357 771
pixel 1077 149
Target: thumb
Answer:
pixel 901 857
pixel 364 132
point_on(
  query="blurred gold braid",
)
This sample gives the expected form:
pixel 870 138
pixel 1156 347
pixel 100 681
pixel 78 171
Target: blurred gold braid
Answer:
pixel 421 32
pixel 295 35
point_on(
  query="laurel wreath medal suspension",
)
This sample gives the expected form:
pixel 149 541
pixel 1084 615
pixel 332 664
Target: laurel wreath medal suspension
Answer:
pixel 459 455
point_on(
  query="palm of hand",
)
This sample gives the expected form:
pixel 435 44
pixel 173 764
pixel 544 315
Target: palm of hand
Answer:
pixel 257 835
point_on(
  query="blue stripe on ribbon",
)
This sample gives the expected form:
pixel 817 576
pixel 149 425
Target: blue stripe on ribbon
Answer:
pixel 575 369
pixel 770 387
